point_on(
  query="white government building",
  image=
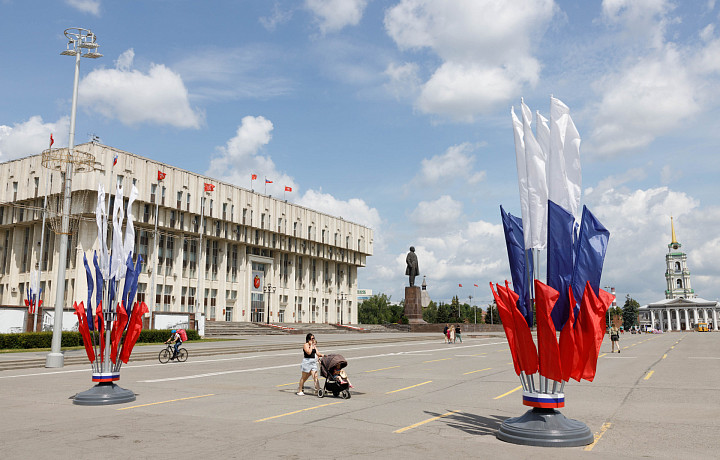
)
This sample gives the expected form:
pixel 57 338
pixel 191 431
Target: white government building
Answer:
pixel 260 253
pixel 681 309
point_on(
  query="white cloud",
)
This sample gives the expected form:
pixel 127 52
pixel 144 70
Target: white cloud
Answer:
pixel 441 212
pixel 334 15
pixel 31 137
pixel 457 163
pixel 353 210
pixel 485 46
pixel 404 81
pixel 86 6
pixel 132 97
pixel 242 156
pixel 640 20
pixel 279 16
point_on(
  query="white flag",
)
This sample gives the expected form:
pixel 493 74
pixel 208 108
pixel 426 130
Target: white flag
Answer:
pixel 101 220
pixel 521 166
pixel 536 229
pixel 564 175
pixel 118 267
pixel 130 227
pixel 543 133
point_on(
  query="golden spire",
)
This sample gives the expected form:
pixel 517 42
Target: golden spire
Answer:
pixel 672 226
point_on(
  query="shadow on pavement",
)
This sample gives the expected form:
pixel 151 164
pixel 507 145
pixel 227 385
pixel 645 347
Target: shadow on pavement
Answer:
pixel 471 423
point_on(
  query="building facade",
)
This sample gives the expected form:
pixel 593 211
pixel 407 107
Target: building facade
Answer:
pixel 230 253
pixel 681 309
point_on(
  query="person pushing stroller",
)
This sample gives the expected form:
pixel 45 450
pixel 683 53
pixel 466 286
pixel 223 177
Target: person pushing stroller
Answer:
pixel 332 367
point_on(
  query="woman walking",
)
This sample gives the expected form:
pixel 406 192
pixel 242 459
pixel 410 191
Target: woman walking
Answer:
pixel 615 338
pixel 309 363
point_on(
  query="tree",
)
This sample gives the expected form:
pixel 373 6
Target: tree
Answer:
pixel 630 312
pixel 378 310
pixel 491 315
pixel 430 313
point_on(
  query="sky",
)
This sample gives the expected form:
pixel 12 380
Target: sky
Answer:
pixel 395 114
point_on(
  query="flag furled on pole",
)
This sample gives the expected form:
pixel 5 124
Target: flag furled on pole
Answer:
pixel 527 352
pixel 549 357
pixel 508 325
pixel 536 227
pixel 52 141
pixel 520 260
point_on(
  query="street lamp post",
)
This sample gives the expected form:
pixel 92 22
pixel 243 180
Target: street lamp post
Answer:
pixel 78 39
pixel 267 290
pixel 611 289
pixel 342 297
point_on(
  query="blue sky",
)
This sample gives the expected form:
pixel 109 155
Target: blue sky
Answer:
pixel 395 114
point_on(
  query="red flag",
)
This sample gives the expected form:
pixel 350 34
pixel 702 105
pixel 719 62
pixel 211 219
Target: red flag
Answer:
pixel 593 324
pixel 209 187
pixel 460 285
pixel 134 328
pixel 100 327
pixel 288 189
pixel 476 285
pixel 549 355
pixel 268 181
pixel 84 331
pixel 117 330
pixel 508 325
pixel 161 175
pixel 568 349
pixel 52 141
pixel 527 353
pixel 253 177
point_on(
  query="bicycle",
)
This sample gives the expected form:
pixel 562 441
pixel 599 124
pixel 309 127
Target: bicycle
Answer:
pixel 167 354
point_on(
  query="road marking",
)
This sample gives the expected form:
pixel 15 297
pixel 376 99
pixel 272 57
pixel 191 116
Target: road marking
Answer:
pixel 298 411
pixel 415 425
pixel 479 370
pixel 383 369
pixel 285 385
pixel 599 435
pixel 505 394
pixel 672 347
pixel 434 360
pixel 648 375
pixel 163 402
pixel 407 388
pixel 602 355
pixel 703 357
pixel 664 356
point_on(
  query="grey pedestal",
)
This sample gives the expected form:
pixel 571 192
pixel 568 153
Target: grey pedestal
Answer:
pixel 413 305
pixel 103 394
pixel 545 428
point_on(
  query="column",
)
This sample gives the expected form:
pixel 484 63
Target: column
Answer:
pixel 677 319
pixel 687 321
pixel 669 320
pixel 652 319
pixel 695 314
pixel 715 319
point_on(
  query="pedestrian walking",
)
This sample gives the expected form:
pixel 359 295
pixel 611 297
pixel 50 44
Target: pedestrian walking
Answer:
pixel 309 363
pixel 458 333
pixel 615 338
pixel 446 336
pixel 451 335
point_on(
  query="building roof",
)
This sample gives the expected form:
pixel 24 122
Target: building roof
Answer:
pixel 681 302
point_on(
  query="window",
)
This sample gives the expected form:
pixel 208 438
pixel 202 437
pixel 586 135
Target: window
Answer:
pixel 244 216
pixel 37 186
pixel 146 213
pixel 167 298
pixel 162 199
pixel 153 192
pixel 25 254
pixel 211 206
pixel 188 203
pixel 141 292
pixel 172 218
pixel 679 284
pixel 224 214
pixel 179 199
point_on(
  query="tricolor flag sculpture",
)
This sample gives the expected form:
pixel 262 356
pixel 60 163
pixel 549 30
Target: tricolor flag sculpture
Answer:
pixel 571 303
pixel 110 330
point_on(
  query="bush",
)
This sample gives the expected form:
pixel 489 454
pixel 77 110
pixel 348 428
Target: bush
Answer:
pixel 29 340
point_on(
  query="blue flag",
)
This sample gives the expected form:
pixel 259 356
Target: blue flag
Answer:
pixel 520 261
pixel 133 287
pixel 129 275
pixel 591 246
pixel 90 283
pixel 99 281
pixel 111 296
pixel 560 260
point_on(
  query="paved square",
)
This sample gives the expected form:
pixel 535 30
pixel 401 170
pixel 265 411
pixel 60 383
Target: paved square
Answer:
pixel 418 398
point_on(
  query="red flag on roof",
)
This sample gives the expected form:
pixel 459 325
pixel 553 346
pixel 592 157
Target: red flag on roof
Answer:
pixel 52 141
pixel 288 189
pixel 460 285
pixel 549 356
pixel 527 352
pixel 209 187
pixel 476 285
pixel 568 348
pixel 508 326
pixel 253 177
pixel 161 175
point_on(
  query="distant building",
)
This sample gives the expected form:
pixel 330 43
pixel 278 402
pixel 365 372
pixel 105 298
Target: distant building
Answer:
pixel 681 309
pixel 364 294
pixel 249 241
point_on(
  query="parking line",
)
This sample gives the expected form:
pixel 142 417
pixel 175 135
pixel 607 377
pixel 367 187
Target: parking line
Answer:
pixel 415 425
pixel 407 388
pixel 664 356
pixel 648 375
pixel 479 370
pixel 434 360
pixel 285 385
pixel 298 411
pixel 599 435
pixel 383 369
pixel 505 394
pixel 163 402
pixel 602 355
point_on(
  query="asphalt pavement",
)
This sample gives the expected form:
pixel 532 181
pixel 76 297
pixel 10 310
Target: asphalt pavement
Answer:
pixel 414 397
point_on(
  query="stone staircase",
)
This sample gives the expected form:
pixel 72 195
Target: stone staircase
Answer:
pixel 228 329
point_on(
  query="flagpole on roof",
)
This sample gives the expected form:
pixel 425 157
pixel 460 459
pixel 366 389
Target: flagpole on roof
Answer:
pixel 153 287
pixel 202 252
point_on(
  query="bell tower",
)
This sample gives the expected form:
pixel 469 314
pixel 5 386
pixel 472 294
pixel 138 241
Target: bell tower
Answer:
pixel 677 274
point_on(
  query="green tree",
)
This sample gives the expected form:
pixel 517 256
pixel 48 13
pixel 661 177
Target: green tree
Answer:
pixel 378 310
pixel 430 313
pixel 494 316
pixel 630 312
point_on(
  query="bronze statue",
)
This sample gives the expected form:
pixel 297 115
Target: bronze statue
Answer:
pixel 412 269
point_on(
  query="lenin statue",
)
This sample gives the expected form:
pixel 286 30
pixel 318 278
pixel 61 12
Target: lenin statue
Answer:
pixel 412 269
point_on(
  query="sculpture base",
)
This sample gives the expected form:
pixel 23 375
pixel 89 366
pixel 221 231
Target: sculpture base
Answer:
pixel 103 394
pixel 413 305
pixel 545 428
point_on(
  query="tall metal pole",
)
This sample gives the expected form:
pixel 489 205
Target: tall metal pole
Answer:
pixel 155 252
pixel 42 239
pixel 55 358
pixel 201 276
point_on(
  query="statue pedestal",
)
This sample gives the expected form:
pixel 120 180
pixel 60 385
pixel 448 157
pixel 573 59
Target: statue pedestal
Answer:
pixel 413 305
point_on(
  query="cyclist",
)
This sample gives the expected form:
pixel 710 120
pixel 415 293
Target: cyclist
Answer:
pixel 177 339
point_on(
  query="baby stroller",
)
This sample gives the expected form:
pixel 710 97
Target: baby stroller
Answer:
pixel 328 363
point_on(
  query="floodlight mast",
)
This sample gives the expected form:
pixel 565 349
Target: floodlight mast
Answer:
pixel 78 39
